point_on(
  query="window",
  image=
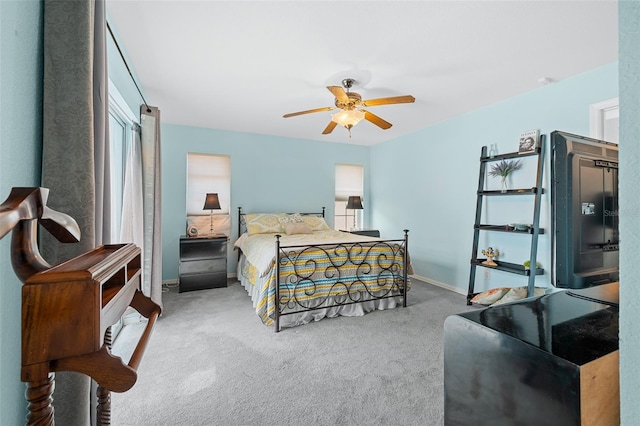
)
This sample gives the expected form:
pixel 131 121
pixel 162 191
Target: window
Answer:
pixel 349 182
pixel 122 124
pixel 208 174
pixel 117 149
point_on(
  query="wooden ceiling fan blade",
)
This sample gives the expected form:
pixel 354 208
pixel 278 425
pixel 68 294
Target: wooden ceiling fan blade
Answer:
pixel 339 93
pixel 406 99
pixel 332 125
pixel 383 124
pixel 309 111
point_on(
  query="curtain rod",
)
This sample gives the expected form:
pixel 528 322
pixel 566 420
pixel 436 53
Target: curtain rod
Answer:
pixel 126 65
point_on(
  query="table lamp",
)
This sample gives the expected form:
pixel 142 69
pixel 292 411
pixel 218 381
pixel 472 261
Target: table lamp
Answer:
pixel 211 202
pixel 354 203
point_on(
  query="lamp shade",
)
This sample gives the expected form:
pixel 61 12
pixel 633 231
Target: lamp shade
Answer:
pixel 354 202
pixel 211 202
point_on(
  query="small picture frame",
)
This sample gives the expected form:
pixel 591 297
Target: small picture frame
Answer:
pixel 529 141
pixel 192 232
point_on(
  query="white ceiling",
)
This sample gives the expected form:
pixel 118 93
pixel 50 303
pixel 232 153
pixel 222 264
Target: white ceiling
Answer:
pixel 239 65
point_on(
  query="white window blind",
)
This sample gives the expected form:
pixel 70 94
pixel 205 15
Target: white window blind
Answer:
pixel 349 181
pixel 208 174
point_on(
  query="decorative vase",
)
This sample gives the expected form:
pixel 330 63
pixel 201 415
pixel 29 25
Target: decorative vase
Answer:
pixel 504 184
pixel 493 151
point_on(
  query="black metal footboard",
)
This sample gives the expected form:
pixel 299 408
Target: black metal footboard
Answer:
pixel 309 278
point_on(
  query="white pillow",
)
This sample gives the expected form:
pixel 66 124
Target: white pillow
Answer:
pixel 518 293
pixel 289 218
pixel 315 222
pixel 490 296
pixel 292 228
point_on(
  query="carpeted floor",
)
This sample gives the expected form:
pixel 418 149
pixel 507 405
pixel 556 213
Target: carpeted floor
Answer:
pixel 211 361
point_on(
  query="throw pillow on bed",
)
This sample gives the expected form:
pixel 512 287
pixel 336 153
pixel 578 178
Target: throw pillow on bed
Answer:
pixel 316 223
pixel 292 228
pixel 289 218
pixel 263 223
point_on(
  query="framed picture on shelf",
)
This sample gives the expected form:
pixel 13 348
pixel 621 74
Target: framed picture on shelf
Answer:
pixel 529 141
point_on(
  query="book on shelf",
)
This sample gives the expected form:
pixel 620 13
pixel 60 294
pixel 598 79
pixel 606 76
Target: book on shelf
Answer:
pixel 529 141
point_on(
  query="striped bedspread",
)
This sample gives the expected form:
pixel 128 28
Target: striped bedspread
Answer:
pixel 328 268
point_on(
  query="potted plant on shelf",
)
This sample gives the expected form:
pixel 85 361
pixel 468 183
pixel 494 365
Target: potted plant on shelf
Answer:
pixel 503 169
pixel 527 264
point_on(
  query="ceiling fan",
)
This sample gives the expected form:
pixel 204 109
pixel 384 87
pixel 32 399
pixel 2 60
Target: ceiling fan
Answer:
pixel 349 104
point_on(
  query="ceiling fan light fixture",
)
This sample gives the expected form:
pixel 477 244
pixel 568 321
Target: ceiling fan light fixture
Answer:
pixel 348 117
pixel 347 104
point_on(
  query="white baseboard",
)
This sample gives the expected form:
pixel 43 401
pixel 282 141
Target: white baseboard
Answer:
pixel 439 284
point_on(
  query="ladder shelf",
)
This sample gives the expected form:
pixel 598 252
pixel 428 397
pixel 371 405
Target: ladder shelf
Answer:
pixel 533 230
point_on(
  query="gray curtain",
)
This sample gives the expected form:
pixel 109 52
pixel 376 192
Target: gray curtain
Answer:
pixel 74 150
pixel 152 185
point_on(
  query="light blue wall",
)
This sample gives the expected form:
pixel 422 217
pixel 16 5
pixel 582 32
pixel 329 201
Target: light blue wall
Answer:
pixel 268 174
pixel 629 45
pixel 20 154
pixel 427 181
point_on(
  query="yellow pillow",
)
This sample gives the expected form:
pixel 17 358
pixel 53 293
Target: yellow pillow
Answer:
pixel 263 223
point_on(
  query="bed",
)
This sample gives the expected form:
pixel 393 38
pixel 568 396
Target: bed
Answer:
pixel 297 270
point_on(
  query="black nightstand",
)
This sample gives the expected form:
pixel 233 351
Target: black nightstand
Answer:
pixel 203 263
pixel 368 232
